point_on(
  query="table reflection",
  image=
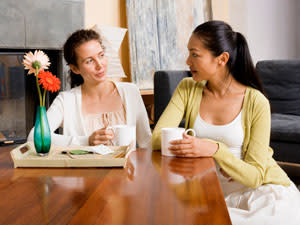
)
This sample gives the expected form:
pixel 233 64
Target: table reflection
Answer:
pixel 187 178
pixel 71 183
pixel 187 168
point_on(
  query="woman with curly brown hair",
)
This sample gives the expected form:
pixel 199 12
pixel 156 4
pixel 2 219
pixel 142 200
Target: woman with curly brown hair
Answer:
pixel 94 102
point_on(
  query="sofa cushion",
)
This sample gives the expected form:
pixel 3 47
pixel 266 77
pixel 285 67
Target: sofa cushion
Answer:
pixel 285 128
pixel 165 83
pixel 281 80
pixel 286 151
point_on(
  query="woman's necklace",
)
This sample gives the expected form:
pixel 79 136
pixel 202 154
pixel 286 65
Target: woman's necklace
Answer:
pixel 226 89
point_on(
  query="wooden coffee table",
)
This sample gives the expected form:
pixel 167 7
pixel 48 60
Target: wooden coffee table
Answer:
pixel 151 189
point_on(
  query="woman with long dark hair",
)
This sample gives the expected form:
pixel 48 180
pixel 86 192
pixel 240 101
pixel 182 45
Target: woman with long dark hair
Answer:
pixel 224 103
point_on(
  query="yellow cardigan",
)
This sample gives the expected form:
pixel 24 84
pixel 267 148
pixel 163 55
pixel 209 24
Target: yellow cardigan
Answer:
pixel 257 167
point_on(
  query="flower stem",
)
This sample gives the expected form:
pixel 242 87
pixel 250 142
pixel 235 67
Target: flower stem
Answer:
pixel 38 88
pixel 42 128
pixel 44 97
pixel 41 112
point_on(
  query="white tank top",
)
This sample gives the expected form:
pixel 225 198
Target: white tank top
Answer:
pixel 231 134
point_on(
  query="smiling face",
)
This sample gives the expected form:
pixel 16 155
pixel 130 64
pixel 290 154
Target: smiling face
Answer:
pixel 91 62
pixel 203 65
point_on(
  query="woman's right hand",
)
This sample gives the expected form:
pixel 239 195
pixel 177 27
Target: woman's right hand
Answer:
pixel 192 147
pixel 101 136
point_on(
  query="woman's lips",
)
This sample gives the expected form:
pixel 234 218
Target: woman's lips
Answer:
pixel 100 74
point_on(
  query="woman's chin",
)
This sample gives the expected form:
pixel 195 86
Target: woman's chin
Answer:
pixel 196 77
pixel 101 77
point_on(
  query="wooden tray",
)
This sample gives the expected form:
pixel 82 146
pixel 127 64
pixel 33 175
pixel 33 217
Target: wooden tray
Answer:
pixel 55 158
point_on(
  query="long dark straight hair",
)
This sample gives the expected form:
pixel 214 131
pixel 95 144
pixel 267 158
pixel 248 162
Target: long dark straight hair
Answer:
pixel 218 37
pixel 76 39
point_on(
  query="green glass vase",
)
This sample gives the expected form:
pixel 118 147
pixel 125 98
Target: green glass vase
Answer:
pixel 42 135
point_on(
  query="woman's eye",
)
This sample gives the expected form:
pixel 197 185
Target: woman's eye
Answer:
pixel 89 61
pixel 194 55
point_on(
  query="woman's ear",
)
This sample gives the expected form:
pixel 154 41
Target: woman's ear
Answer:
pixel 223 58
pixel 74 69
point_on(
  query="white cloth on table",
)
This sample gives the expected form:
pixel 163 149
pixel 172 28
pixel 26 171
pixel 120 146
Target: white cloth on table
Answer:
pixel 267 204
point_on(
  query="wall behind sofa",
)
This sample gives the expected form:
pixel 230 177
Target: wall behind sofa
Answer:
pixel 270 26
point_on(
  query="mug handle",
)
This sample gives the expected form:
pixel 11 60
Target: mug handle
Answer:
pixel 110 128
pixel 192 130
pixel 113 130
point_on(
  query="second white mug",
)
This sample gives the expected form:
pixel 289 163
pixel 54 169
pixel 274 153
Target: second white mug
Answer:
pixel 169 134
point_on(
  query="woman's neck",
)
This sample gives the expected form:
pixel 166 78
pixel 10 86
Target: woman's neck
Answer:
pixel 224 87
pixel 221 86
pixel 99 90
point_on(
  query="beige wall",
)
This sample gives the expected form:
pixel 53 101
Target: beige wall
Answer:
pixel 112 13
pixel 220 10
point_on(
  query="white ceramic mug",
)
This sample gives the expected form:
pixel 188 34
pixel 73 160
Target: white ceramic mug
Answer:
pixel 170 134
pixel 124 135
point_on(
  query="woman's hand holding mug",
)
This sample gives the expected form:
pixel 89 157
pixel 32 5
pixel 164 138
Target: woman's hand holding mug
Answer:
pixel 191 146
pixel 170 134
pixel 123 135
pixel 102 136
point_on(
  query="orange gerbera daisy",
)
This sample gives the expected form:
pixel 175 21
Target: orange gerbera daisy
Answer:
pixel 49 81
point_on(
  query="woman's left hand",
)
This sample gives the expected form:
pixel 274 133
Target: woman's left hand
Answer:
pixel 191 146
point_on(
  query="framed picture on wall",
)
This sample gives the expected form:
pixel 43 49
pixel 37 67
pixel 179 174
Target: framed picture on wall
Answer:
pixel 159 33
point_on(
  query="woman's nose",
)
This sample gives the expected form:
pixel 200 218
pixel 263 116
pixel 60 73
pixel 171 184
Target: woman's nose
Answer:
pixel 99 64
pixel 188 62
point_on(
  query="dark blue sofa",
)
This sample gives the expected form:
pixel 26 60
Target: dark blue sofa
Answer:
pixel 281 79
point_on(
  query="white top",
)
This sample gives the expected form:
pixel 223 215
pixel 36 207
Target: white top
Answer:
pixel 231 134
pixel 66 112
pixel 97 121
